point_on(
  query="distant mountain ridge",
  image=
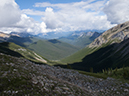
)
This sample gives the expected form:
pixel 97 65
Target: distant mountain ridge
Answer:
pixel 57 35
pixel 4 35
pixel 22 34
pixel 80 39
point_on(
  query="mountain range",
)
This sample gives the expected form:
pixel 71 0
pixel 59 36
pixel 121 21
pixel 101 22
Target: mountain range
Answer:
pixel 52 49
pixel 57 35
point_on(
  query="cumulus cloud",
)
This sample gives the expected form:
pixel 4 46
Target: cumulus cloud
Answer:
pixel 28 24
pixel 75 16
pixel 117 11
pixel 52 19
pixel 9 13
pixel 12 19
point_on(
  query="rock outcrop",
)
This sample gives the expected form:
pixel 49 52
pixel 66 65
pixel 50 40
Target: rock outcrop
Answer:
pixel 114 35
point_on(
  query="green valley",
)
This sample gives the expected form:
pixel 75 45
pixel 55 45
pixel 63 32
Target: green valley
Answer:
pixel 53 49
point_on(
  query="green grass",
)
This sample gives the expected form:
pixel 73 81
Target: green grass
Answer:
pixel 78 56
pixel 98 75
pixel 121 74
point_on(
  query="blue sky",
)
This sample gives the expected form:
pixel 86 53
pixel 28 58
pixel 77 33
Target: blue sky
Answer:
pixel 43 16
pixel 24 4
pixel 29 4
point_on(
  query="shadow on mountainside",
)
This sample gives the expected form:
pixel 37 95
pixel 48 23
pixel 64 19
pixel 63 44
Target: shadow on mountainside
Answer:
pixel 113 56
pixel 20 40
pixel 4 48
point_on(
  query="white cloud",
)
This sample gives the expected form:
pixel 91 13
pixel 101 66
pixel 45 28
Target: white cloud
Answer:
pixel 117 11
pixel 26 24
pixel 12 19
pixel 74 16
pixel 53 20
pixel 9 13
pixel 32 12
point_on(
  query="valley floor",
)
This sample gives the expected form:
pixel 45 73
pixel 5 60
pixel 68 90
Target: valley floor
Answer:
pixel 20 77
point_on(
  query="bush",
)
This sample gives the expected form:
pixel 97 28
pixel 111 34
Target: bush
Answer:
pixel 126 73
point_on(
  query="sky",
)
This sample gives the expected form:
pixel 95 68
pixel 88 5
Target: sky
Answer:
pixel 43 16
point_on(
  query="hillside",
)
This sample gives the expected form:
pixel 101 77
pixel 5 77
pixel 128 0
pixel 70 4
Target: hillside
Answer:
pixel 18 51
pixel 112 56
pixel 78 56
pixel 21 77
pixel 52 49
pixel 109 50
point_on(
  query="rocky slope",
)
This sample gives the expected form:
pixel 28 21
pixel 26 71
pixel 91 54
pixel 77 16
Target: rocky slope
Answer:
pixel 113 35
pixel 20 77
